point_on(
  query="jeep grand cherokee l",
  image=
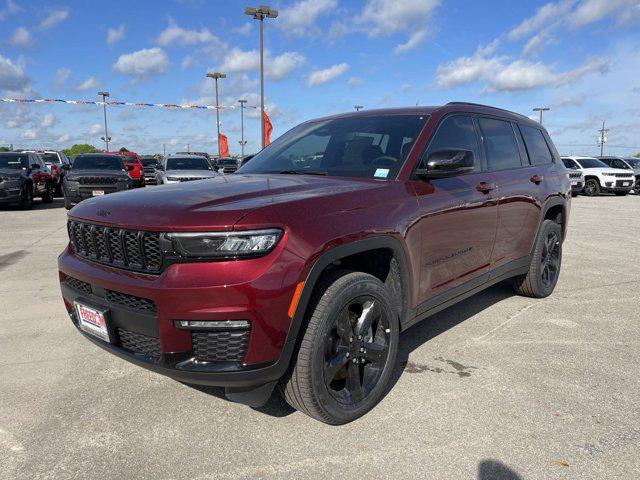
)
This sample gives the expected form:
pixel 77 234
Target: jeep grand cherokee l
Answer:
pixel 93 175
pixel 600 177
pixel 302 273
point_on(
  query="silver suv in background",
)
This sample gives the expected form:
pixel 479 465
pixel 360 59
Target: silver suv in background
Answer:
pixel 575 176
pixel 626 163
pixel 599 177
pixel 184 168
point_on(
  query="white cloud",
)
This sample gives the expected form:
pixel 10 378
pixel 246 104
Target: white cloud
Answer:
pixel 405 87
pixel 245 29
pixel 176 35
pixel 299 19
pixel 548 13
pixel 319 77
pixel 464 70
pixel 49 120
pixel 21 38
pixel 91 83
pixel 116 34
pixel 64 138
pixel 241 61
pixel 95 129
pixel 591 11
pixel 143 63
pixel 61 78
pixel 188 61
pixel 569 101
pixel 54 18
pixel 355 81
pixel 387 17
pixel 535 44
pixel 29 134
pixel 10 8
pixel 12 76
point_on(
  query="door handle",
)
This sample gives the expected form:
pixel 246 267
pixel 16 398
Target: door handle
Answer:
pixel 537 179
pixel 484 187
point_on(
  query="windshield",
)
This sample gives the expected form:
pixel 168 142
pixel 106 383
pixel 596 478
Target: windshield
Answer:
pixel 188 163
pixel 634 162
pixel 97 162
pixel 227 161
pixel 363 147
pixel 591 163
pixel 570 164
pixel 130 158
pixel 50 157
pixel 14 161
pixel 148 162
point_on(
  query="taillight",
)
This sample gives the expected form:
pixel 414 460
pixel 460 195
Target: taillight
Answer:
pixel 54 169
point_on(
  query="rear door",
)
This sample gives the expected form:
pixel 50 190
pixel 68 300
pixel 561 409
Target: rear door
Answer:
pixel 457 215
pixel 519 185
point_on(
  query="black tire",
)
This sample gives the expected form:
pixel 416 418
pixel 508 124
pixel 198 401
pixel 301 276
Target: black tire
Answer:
pixel 621 194
pixel 342 368
pixel 544 269
pixel 574 194
pixel 47 196
pixel 26 200
pixel 58 189
pixel 67 204
pixel 591 187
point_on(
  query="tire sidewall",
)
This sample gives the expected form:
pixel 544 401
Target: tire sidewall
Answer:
pixel 548 227
pixel 346 413
pixel 596 188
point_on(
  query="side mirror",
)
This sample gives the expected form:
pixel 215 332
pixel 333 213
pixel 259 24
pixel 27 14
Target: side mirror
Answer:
pixel 447 163
pixel 129 168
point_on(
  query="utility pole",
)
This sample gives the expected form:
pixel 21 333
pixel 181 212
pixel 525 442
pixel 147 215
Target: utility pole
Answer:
pixel 259 14
pixel 358 107
pixel 106 137
pixel 242 101
pixel 541 109
pixel 188 151
pixel 216 76
pixel 602 139
pixel 164 150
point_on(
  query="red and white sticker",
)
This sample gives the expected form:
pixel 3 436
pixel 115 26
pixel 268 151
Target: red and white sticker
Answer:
pixel 92 321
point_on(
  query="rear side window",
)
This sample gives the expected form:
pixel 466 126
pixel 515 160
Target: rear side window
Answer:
pixel 499 144
pixel 539 152
pixel 456 133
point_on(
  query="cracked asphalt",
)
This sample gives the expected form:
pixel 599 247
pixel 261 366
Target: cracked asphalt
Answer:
pixel 498 387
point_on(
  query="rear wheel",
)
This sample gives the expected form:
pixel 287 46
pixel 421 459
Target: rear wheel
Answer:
pixel 348 351
pixel 58 190
pixel 544 269
pixel 26 200
pixel 47 196
pixel 574 194
pixel 67 204
pixel 592 187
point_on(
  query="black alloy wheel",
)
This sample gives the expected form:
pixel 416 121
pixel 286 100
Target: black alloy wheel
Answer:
pixel 550 260
pixel 591 187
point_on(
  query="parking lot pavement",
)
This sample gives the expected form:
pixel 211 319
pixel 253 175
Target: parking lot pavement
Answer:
pixel 499 387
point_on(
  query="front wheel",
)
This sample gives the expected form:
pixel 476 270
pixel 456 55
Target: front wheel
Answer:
pixel 592 188
pixel 348 350
pixel 544 268
pixel 26 199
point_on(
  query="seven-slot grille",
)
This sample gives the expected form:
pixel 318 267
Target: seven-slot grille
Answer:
pixel 95 180
pixel 575 175
pixel 623 175
pixel 131 249
pixel 222 346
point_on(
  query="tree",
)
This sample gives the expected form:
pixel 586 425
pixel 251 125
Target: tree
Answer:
pixel 637 155
pixel 5 149
pixel 80 148
pixel 123 149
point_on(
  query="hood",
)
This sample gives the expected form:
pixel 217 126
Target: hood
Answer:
pixel 96 173
pixel 218 203
pixel 190 173
pixel 603 170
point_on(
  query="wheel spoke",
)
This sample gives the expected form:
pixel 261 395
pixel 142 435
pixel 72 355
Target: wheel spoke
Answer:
pixel 374 352
pixel 370 312
pixel 344 326
pixel 354 383
pixel 335 363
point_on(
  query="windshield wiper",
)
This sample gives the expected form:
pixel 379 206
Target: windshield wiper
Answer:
pixel 301 172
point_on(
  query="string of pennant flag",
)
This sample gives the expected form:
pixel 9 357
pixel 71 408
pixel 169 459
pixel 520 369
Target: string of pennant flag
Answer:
pixel 128 104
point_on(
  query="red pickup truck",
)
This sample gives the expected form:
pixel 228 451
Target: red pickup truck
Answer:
pixel 132 159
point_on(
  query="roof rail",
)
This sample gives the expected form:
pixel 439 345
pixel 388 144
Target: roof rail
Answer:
pixel 486 106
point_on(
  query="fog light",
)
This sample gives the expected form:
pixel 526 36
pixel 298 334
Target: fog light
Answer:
pixel 212 324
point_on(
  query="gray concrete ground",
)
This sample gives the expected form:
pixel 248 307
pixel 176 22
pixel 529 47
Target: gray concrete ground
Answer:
pixel 499 387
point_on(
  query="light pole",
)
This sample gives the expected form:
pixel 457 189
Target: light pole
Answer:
pixel 106 137
pixel 358 107
pixel 242 101
pixel 602 139
pixel 541 109
pixel 216 76
pixel 259 14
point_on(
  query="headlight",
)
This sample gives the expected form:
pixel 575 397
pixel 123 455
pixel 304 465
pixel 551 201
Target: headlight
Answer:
pixel 225 244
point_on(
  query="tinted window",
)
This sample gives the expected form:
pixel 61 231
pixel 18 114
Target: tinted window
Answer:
pixel 499 144
pixel 634 162
pixel 363 146
pixel 606 160
pixel 455 133
pixel 98 162
pixel 188 163
pixel 539 152
pixel 50 157
pixel 568 163
pixel 148 162
pixel 591 163
pixel 619 164
pixel 14 161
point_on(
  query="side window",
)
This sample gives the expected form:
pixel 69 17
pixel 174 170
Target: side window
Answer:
pixel 539 152
pixel 499 144
pixel 620 164
pixel 606 160
pixel 455 132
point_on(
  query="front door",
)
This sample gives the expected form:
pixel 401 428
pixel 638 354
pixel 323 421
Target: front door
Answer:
pixel 457 215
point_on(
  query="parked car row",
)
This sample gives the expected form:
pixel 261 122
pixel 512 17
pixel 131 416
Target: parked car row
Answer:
pixel 594 175
pixel 23 176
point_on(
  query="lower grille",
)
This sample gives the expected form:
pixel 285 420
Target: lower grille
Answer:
pixel 131 301
pixel 138 343
pixel 223 346
pixel 78 285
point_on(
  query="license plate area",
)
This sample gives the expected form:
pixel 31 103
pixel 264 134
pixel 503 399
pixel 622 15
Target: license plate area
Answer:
pixel 94 321
pixel 97 193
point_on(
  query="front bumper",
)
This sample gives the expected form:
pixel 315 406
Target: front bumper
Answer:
pixel 252 290
pixel 625 185
pixel 10 195
pixel 577 187
pixel 75 194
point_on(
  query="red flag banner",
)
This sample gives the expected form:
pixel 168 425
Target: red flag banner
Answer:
pixel 268 128
pixel 224 145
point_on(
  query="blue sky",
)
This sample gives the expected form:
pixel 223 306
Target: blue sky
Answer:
pixel 579 57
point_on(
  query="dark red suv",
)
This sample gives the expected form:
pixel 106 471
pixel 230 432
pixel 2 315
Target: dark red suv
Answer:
pixel 303 268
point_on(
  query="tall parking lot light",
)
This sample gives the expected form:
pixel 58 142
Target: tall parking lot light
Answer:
pixel 259 14
pixel 358 107
pixel 242 101
pixel 541 109
pixel 216 76
pixel 106 137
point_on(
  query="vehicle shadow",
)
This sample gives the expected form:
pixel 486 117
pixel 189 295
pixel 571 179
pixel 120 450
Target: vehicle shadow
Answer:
pixel 495 470
pixel 38 204
pixel 410 339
